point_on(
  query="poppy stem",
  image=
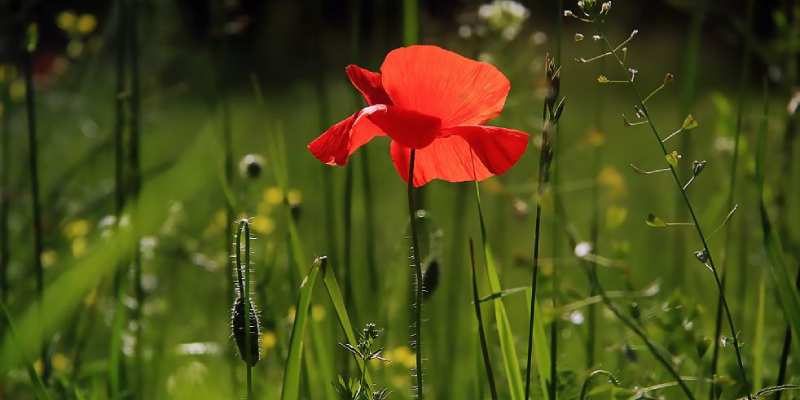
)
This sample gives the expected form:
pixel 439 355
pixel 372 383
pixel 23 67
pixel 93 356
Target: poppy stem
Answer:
pixel 417 343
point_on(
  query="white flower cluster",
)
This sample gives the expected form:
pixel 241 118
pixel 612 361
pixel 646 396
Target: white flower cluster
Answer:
pixel 503 16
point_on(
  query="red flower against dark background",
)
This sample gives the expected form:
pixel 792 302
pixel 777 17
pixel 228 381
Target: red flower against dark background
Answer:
pixel 434 101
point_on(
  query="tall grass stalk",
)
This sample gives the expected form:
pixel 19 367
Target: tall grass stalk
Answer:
pixel 706 252
pixel 33 170
pixel 5 192
pixel 415 259
pixel 410 22
pixel 136 182
pixel 556 242
pixel 487 361
pixel 551 113
pixel 744 71
pixel 120 105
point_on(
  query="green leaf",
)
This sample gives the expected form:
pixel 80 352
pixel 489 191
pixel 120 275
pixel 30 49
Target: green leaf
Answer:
pixel 335 294
pixel 655 222
pixel 689 123
pixel 291 375
pixel 39 389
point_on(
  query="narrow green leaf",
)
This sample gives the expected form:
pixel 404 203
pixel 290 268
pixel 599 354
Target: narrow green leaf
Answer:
pixel 335 294
pixel 291 375
pixel 758 337
pixel 504 332
pixel 39 390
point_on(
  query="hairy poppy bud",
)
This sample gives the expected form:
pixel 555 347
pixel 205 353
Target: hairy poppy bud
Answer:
pixel 249 352
pixel 430 279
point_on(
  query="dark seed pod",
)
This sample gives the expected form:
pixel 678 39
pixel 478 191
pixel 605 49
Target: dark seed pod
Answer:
pixel 430 279
pixel 251 356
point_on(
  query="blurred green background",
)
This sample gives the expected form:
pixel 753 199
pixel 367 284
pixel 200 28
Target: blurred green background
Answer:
pixel 202 67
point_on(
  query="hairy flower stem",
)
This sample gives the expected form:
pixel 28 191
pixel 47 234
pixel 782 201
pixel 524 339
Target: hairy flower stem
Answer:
pixel 690 207
pixel 417 345
pixel 487 361
pixel 744 72
pixel 33 166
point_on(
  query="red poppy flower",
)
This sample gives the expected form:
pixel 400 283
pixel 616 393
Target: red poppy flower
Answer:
pixel 435 101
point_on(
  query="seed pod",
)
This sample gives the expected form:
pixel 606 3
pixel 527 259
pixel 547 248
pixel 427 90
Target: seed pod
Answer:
pixel 252 355
pixel 430 279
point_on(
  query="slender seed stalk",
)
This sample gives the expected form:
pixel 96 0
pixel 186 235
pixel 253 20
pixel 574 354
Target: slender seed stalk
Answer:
pixel 553 388
pixel 412 211
pixel 741 105
pixel 33 166
pixel 710 260
pixel 487 361
pixel 550 115
pixel 5 193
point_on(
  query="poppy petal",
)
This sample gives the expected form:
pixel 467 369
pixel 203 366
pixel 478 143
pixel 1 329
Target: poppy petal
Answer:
pixel 337 143
pixel 497 148
pixel 440 83
pixel 448 158
pixel 410 128
pixel 368 83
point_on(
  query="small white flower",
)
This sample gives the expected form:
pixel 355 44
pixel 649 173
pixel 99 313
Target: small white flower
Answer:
pixel 583 249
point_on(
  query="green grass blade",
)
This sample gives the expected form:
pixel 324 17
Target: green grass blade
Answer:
pixel 541 350
pixel 39 390
pixel 335 294
pixel 291 375
pixel 758 337
pixel 506 336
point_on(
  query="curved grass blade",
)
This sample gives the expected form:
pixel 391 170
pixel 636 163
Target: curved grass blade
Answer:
pixel 487 360
pixel 39 390
pixel 335 294
pixel 291 376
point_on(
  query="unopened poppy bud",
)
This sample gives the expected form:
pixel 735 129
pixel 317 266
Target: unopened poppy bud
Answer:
pixel 249 352
pixel 702 255
pixel 430 279
pixel 251 166
pixel 697 167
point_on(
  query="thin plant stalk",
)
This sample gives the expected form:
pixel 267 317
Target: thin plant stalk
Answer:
pixel 487 361
pixel 410 22
pixel 698 228
pixel 135 181
pixel 369 224
pixel 550 116
pixel 556 242
pixel 33 166
pixel 741 105
pixel 412 211
pixel 5 193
